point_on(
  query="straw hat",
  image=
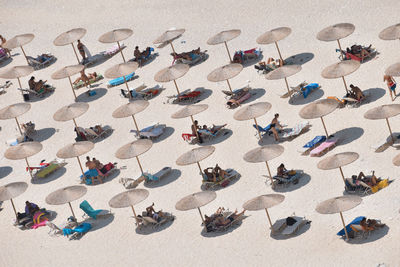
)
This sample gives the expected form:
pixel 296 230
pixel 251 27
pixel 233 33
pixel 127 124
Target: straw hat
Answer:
pixel 195 155
pixel 338 204
pixel 390 33
pixel 274 35
pixel 335 32
pixel 115 35
pixel 19 40
pixel 252 111
pixel 189 111
pixel 12 190
pixel 128 198
pixel 264 153
pixel 67 71
pixel 396 160
pixel 195 200
pixel 340 69
pixel 382 112
pixel 283 72
pixel 393 70
pixel 75 149
pixel 14 110
pixel 23 150
pixel 16 72
pixel 66 195
pixel 134 149
pixel 169 36
pixel 223 36
pixel 69 37
pixel 225 72
pixel 337 160
pixel 130 109
pixel 121 69
pixel 263 202
pixel 171 73
pixel 318 108
pixel 71 111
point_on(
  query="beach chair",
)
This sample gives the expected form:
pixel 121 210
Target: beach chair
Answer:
pixel 288 226
pixel 324 147
pixel 264 68
pixel 296 130
pixel 3 87
pixel 113 50
pixel 120 80
pixel 195 58
pixel 92 213
pixel 81 83
pixel 286 181
pixel 231 175
pixel 78 231
pixel 304 89
pixel 45 169
pixel 185 96
pixel 37 64
pixel 146 177
pixel 347 55
pixel 238 97
pixel 151 132
pixel 145 221
pixel 247 56
pixel 349 229
pixel 54 229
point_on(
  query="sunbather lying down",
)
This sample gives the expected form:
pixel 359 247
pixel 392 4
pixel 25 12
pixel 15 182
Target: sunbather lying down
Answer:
pixel 270 65
pixel 33 215
pixel 85 78
pixel 214 129
pixel 359 50
pixel 187 55
pixel 150 212
pixel 370 224
pixel 219 220
pixel 215 174
pixel 371 181
pixel 238 97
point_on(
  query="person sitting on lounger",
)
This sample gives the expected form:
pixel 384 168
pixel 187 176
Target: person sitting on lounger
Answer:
pixel 370 224
pixel 275 63
pixel 141 56
pixel 37 86
pixel 90 164
pixel 85 79
pixel 275 123
pixel 359 51
pixel 156 215
pixel 31 208
pixel 356 93
pixel 97 163
pixel 213 129
pixel 195 128
pixel 221 221
pixel 282 171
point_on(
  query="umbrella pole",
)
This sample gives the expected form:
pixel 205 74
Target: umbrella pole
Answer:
pixel 229 85
pixel 287 86
pixel 76 126
pixel 73 214
pixel 15 211
pixel 340 47
pixel 20 86
pixel 279 51
pixel 390 130
pixel 269 220
pixel 259 134
pixel 323 123
pixel 345 85
pixel 198 164
pixel 24 55
pixel 227 50
pixel 270 176
pixel 176 86
pixel 202 219
pixel 119 48
pixel 29 168
pixel 172 46
pixel 344 225
pixel 72 87
pixel 80 165
pixel 127 87
pixel 19 127
pixel 134 120
pixel 197 134
pixel 134 214
pixel 140 165
pixel 341 172
pixel 77 58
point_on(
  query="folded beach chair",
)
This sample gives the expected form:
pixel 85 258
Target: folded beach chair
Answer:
pixel 232 174
pixel 54 229
pixel 296 130
pixel 324 147
pixel 316 141
pixel 92 213
pixel 349 229
pixel 78 231
pixel 150 132
pixel 36 64
pixel 120 80
pixel 81 83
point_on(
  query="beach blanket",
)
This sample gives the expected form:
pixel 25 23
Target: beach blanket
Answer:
pixel 318 139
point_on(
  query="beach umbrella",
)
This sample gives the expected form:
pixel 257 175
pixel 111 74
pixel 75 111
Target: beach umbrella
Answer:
pixel 66 195
pixel 134 150
pixel 12 190
pixel 264 202
pixel 69 37
pixel 129 198
pixel 71 112
pixel 273 36
pixel 341 69
pixel 189 111
pixel 337 161
pixel 195 201
pixel 393 70
pixel 16 72
pixel 339 205
pixel 75 150
pixel 121 70
pixel 131 109
pixel 390 33
pixel 383 112
pixel 224 37
pixel 23 151
pixel 396 160
pixel 115 36
pixel 19 41
pixel 225 73
pixel 171 73
pixel 319 109
pixel 67 72
pixel 336 32
pixel 169 36
pixel 13 111
pixel 264 154
pixel 282 73
pixel 195 155
pixel 252 111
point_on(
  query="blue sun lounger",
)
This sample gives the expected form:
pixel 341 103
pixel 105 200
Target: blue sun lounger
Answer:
pixel 319 139
pixel 308 88
pixel 79 230
pixel 120 80
pixel 85 206
pixel 356 221
pixel 262 130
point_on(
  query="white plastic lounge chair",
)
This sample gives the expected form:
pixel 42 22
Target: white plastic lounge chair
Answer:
pixel 36 64
pixel 296 130
pixel 54 229
pixel 292 229
pixel 324 147
pixel 150 132
pixel 148 178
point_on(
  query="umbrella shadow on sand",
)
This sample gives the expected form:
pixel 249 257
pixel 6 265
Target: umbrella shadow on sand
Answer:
pixel 303 180
pixel 170 178
pixel 43 134
pixel 6 62
pixel 299 59
pixel 51 177
pixel 268 138
pixel 33 98
pixel 373 94
pixel 252 62
pixel 370 237
pixel 147 230
pixel 300 100
pixel 99 59
pixel 228 230
pixel 84 97
pixel 5 171
pixel 256 93
pixel 297 233
pixel 97 224
pixel 168 131
pixel 348 135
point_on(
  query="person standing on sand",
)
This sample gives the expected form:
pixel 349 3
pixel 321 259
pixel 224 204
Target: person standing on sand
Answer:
pixel 391 84
pixel 3 41
pixel 81 49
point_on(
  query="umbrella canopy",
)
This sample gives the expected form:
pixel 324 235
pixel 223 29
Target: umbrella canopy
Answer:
pixel 393 70
pixel 23 150
pixel 263 153
pixel 337 160
pixel 128 198
pixel 67 71
pixel 223 36
pixel 120 70
pixel 263 202
pixel 274 35
pixel 169 36
pixel 171 73
pixel 189 111
pixel 382 112
pixel 134 149
pixel 195 155
pixel 69 37
pixel 115 35
pixel 225 72
pixel 130 109
pixel 12 190
pixel 340 69
pixel 19 40
pixel 318 109
pixel 71 111
pixel 396 160
pixel 335 32
pixel 338 204
pixel 75 149
pixel 252 111
pixel 66 195
pixel 195 200
pixel 14 110
pixel 283 72
pixel 390 33
pixel 16 72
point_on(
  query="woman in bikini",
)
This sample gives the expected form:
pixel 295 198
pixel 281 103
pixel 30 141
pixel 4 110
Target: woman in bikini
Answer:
pixel 275 123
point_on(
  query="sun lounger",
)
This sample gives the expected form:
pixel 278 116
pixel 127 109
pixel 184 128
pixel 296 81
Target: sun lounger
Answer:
pixel 120 80
pixel 195 58
pixel 187 95
pixel 238 97
pixel 359 188
pixel 47 168
pixel 296 130
pixel 37 64
pixel 231 175
pixel 92 213
pixel 113 50
pixel 150 132
pixel 41 93
pixel 213 227
pixel 247 56
pixel 324 147
pixel 54 229
pixel 282 226
pixel 147 178
pixel 356 221
pixel 78 231
pixel 3 87
pixel 304 89
pixel 145 221
pixel 81 83
pixel 285 181
pixel 316 141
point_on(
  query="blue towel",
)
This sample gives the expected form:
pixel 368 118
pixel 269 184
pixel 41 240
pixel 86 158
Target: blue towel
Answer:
pixel 85 206
pixel 318 139
pixel 82 228
pixel 261 129
pixel 356 221
pixel 308 88
pixel 120 80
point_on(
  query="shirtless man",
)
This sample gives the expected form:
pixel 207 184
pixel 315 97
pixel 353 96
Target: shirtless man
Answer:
pixel 90 164
pixel 356 93
pixel 81 49
pixel 37 86
pixel 195 127
pixel 391 84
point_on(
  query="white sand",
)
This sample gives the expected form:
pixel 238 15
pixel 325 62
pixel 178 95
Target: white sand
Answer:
pixel 117 243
